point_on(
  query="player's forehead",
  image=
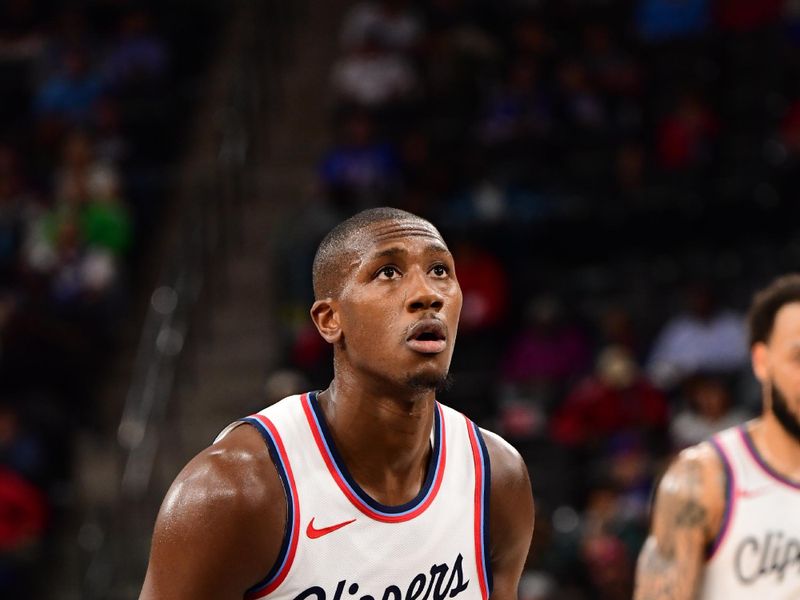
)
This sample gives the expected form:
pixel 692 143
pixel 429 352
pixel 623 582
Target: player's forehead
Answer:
pixel 786 327
pixel 400 234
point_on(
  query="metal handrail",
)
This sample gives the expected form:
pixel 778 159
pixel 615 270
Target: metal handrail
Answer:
pixel 199 250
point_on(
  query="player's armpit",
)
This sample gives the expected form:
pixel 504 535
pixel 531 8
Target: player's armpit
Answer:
pixel 686 516
pixel 511 516
pixel 221 524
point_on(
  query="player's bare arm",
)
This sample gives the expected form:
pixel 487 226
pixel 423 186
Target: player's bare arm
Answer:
pixel 511 516
pixel 221 524
pixel 687 515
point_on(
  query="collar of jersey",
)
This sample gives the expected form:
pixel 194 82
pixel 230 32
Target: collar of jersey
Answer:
pixel 357 496
pixel 765 466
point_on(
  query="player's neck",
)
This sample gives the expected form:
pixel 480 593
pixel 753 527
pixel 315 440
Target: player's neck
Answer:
pixel 780 449
pixel 384 439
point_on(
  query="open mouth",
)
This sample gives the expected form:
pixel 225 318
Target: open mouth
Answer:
pixel 427 337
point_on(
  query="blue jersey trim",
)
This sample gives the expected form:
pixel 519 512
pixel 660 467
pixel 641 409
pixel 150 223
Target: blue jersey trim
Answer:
pixel 486 492
pixel 729 499
pixel 434 464
pixel 289 532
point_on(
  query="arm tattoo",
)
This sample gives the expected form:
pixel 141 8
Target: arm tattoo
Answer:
pixel 671 560
pixel 690 513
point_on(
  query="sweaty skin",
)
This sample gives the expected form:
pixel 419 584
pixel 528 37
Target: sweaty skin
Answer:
pixel 690 501
pixel 220 527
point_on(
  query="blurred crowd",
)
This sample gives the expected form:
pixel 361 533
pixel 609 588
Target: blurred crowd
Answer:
pixel 89 121
pixel 614 178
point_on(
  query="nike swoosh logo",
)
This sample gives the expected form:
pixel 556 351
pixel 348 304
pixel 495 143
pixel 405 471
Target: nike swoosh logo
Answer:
pixel 314 533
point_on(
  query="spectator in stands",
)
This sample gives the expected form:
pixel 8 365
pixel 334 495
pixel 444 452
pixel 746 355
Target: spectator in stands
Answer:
pixel 789 131
pixel 20 449
pixel 536 586
pixel 359 170
pixel 520 110
pixel 610 67
pixel 581 106
pixel 392 22
pixel 459 55
pixel 16 206
pixel 24 475
pixel 616 75
pixel 609 566
pixel 629 174
pixel 489 196
pixel 78 243
pixel 746 15
pixel 617 327
pixel 372 75
pixel 615 399
pixel 791 22
pixel 615 519
pixel 68 96
pixel 422 175
pixel 21 35
pixel 685 136
pixel 708 409
pixel 23 518
pixel 663 20
pixel 706 337
pixel 111 145
pixel 484 285
pixel 532 40
pixel 138 57
pixel 549 350
pixel 92 189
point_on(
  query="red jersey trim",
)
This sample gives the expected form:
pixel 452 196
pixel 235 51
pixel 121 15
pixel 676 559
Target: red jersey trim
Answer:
pixel 273 581
pixel 351 489
pixel 480 508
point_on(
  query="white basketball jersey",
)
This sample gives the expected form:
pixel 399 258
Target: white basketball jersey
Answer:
pixel 340 544
pixel 757 552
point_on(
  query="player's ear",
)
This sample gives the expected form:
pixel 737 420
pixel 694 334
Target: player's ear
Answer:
pixel 759 358
pixel 326 320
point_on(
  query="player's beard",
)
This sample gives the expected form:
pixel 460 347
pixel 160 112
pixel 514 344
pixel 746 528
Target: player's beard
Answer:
pixel 440 383
pixel 780 409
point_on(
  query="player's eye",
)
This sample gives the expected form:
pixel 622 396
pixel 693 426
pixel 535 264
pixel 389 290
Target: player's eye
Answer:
pixel 440 270
pixel 388 272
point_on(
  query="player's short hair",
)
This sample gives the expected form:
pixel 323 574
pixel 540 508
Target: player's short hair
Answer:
pixel 330 257
pixel 766 304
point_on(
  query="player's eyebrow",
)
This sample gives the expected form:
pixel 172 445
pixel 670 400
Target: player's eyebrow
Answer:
pixel 433 247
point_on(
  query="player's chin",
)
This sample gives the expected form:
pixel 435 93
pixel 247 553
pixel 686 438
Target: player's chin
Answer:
pixel 429 379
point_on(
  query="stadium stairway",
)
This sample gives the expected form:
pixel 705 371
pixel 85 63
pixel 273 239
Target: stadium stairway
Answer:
pixel 231 345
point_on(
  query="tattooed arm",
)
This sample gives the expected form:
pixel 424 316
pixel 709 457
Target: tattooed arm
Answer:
pixel 687 515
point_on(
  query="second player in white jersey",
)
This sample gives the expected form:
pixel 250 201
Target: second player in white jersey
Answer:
pixel 757 551
pixel 726 517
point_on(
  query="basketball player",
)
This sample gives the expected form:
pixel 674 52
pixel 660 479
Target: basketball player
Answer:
pixel 370 489
pixel 726 519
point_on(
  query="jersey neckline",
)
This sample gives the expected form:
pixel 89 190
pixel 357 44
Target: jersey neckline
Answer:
pixel 765 466
pixel 357 496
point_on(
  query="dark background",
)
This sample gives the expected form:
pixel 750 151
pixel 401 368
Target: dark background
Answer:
pixel 615 179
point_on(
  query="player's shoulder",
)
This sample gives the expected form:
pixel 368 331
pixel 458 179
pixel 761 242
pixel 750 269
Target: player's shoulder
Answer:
pixel 506 462
pixel 221 524
pixel 233 477
pixel 512 512
pixel 694 467
pixel 695 479
pixel 508 471
pixel 707 457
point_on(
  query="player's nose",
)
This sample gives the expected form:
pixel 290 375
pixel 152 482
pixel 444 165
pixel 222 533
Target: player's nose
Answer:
pixel 423 294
